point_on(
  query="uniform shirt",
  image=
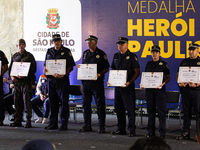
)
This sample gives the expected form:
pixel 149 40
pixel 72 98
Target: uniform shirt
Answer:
pixel 25 57
pixel 127 61
pixel 190 63
pixel 62 53
pixel 97 57
pixel 42 85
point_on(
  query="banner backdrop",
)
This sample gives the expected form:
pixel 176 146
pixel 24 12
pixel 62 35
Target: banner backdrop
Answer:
pixel 171 24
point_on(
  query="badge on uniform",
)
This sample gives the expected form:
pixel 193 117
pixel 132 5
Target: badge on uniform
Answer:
pixel 105 57
pixel 97 56
pixel 198 63
pixel 70 54
pixel 127 57
pixel 160 63
pixel 62 53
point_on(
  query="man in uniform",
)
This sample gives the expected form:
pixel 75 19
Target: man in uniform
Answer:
pixel 125 96
pixel 22 89
pixel 190 92
pixel 58 85
pixel 4 68
pixel 94 55
pixel 157 97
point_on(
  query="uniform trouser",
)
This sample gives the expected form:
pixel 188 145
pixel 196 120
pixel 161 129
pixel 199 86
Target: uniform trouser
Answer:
pixel 36 102
pixel 2 111
pixel 8 102
pixel 190 98
pixel 95 88
pixel 125 101
pixel 22 99
pixel 58 90
pixel 156 98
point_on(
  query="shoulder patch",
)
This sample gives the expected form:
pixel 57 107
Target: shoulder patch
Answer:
pixel 70 54
pixel 136 58
pixel 105 57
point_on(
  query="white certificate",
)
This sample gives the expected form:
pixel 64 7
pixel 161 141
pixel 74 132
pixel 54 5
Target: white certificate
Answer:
pixel 151 79
pixel 87 72
pixel 117 77
pixel 20 69
pixel 188 74
pixel 56 66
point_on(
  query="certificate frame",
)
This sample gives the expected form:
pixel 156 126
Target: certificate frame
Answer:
pixel 20 69
pixel 117 78
pixel 56 66
pixel 87 72
pixel 151 79
pixel 189 74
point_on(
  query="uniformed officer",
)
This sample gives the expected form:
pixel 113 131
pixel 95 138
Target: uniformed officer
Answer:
pixel 94 55
pixel 22 89
pixel 58 85
pixel 157 97
pixel 4 68
pixel 125 96
pixel 190 92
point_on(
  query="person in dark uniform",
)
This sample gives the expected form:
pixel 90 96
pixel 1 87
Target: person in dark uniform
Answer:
pixel 41 99
pixel 94 55
pixel 22 85
pixel 4 68
pixel 190 92
pixel 125 96
pixel 58 85
pixel 157 97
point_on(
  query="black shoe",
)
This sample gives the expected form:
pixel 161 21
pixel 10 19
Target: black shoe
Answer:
pixel 28 125
pixel 150 135
pixel 51 127
pixel 15 124
pixel 63 128
pixel 119 132
pixel 101 130
pixel 131 134
pixel 85 128
pixel 184 136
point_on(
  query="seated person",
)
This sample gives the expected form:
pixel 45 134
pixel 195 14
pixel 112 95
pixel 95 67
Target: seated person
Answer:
pixel 41 99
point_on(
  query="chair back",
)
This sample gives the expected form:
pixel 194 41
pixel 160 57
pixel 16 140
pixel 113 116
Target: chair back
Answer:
pixel 173 96
pixel 75 90
pixel 109 93
pixel 140 94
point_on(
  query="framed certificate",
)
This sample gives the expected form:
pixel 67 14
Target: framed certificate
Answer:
pixel 20 69
pixel 151 79
pixel 117 77
pixel 188 74
pixel 87 72
pixel 56 66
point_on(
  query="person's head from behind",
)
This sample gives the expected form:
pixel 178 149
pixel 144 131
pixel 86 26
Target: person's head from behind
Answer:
pixel 150 144
pixel 39 144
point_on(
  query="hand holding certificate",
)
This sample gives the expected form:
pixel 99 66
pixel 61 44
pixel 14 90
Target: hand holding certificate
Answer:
pixel 188 74
pixel 57 66
pixel 117 78
pixel 151 79
pixel 20 69
pixel 87 72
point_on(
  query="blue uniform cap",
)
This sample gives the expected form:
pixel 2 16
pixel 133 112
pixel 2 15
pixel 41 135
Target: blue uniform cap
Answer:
pixel 91 37
pixel 155 48
pixel 122 40
pixel 56 37
pixel 193 46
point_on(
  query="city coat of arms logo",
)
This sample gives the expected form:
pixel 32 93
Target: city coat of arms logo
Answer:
pixel 53 18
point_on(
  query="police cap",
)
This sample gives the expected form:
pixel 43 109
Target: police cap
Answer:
pixel 155 48
pixel 122 40
pixel 91 37
pixel 56 37
pixel 193 46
